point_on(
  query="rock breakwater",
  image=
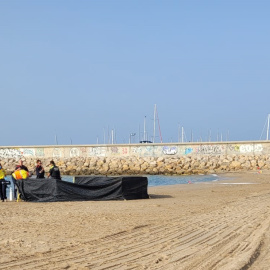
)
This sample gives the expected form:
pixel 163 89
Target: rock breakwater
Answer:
pixel 133 165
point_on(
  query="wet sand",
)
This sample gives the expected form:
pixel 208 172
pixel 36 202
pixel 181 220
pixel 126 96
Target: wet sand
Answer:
pixel 218 225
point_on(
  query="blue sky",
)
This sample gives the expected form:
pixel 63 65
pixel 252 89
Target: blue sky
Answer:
pixel 81 68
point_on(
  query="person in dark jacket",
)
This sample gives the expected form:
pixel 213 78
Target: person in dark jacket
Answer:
pixel 54 171
pixel 39 170
pixel 20 166
pixel 3 187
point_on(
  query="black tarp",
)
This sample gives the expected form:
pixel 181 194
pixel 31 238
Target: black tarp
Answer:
pixel 89 189
pixel 132 187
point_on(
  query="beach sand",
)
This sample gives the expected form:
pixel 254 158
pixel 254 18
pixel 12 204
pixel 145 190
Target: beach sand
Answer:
pixel 217 225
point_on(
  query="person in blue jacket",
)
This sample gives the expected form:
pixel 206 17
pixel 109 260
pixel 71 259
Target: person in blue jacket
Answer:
pixel 40 170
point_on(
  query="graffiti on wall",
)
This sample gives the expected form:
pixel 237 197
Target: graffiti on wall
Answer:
pixel 136 150
pixel 248 148
pixel 56 153
pixel 145 151
pixel 21 152
pixel 188 150
pixel 40 152
pixel 118 150
pixel 74 152
pixel 10 153
pixel 169 150
pixel 83 151
pixel 97 151
pixel 234 148
pixel 149 151
pixel 114 150
pixel 210 149
pixel 27 152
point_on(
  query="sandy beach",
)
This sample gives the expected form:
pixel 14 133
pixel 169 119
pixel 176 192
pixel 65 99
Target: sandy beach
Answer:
pixel 217 225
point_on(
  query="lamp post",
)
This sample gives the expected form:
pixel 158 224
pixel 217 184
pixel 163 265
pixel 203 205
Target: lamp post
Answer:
pixel 130 135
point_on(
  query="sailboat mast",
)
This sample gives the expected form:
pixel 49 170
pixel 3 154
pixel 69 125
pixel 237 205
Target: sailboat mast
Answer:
pixel 182 134
pixel 112 136
pixel 209 136
pixel 267 132
pixel 159 127
pixel 178 132
pixel 144 129
pixel 154 135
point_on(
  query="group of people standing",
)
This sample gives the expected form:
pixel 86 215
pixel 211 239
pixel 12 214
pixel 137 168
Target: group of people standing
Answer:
pixel 21 172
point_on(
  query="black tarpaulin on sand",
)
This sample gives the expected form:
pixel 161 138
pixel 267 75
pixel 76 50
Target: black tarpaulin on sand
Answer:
pixel 84 189
pixel 132 187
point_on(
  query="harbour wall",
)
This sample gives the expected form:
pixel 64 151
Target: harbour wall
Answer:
pixel 139 159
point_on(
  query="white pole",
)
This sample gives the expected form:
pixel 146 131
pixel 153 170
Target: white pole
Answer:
pixel 267 132
pixel 154 135
pixel 10 194
pixel 112 137
pixel 144 130
pixel 109 140
pixel 182 134
pixel 178 132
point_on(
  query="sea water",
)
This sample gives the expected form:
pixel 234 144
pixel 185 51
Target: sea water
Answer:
pixel 157 180
pixel 162 180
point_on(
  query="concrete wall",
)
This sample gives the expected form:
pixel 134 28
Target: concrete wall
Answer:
pixel 140 150
pixel 144 158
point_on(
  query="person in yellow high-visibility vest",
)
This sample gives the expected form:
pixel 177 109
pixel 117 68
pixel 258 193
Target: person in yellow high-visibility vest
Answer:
pixel 20 173
pixel 3 187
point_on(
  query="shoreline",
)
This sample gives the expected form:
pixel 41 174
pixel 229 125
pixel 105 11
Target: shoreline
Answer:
pixel 209 225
